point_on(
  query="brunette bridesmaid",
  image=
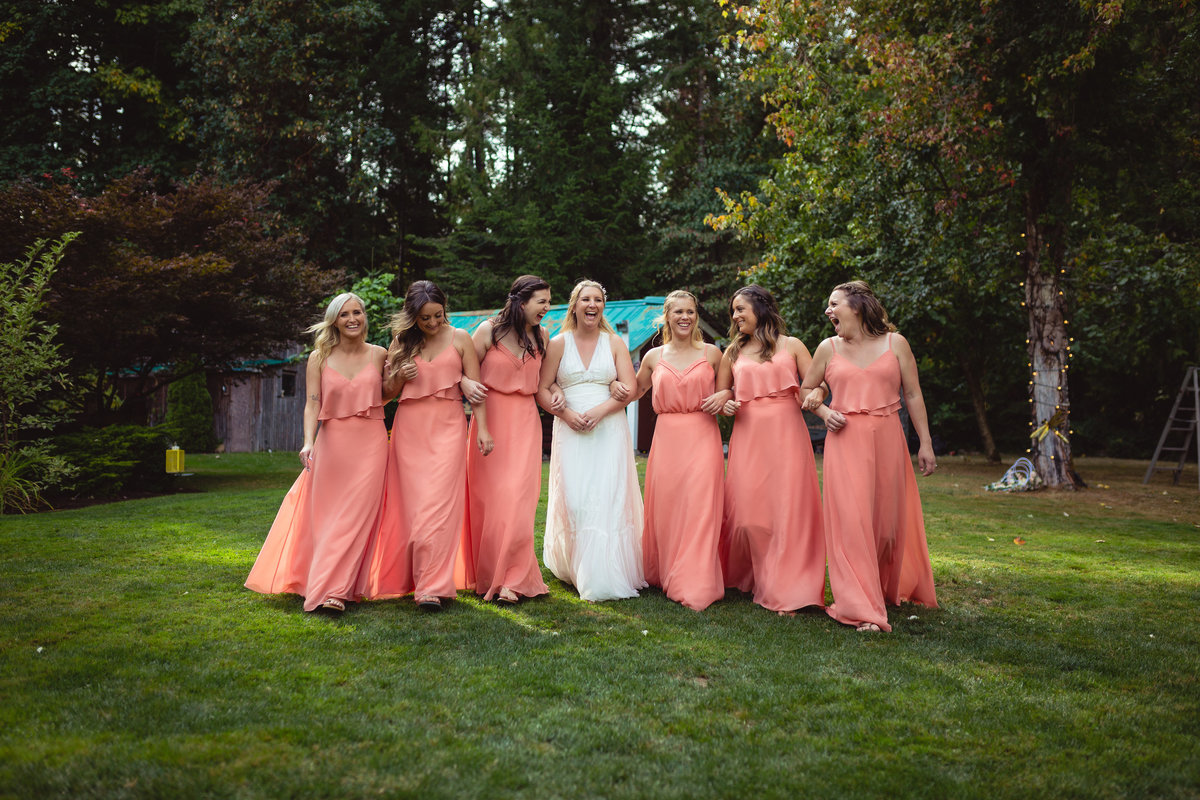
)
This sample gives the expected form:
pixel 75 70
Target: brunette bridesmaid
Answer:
pixel 504 469
pixel 318 542
pixel 432 366
pixel 686 464
pixel 772 537
pixel 874 527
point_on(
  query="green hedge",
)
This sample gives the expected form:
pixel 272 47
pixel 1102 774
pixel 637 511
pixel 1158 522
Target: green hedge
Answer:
pixel 117 458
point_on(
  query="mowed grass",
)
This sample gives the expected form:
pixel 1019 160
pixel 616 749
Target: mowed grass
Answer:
pixel 136 665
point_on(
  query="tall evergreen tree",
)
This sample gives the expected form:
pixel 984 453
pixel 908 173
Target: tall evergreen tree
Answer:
pixel 92 87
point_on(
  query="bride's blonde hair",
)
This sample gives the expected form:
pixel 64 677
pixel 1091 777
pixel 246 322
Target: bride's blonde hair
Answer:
pixel 570 323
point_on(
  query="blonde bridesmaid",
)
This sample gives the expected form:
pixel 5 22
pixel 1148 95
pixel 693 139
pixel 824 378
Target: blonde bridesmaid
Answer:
pixel 432 366
pixel 772 537
pixel 874 527
pixel 504 470
pixel 684 471
pixel 317 545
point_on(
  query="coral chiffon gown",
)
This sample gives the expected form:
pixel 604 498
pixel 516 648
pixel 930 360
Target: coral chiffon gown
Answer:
pixel 684 496
pixel 503 487
pixel 772 537
pixel 425 495
pixel 875 530
pixel 318 543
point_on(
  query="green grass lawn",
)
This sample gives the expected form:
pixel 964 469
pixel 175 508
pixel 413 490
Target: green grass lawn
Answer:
pixel 136 665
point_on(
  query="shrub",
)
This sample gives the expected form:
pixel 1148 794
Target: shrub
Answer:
pixel 31 368
pixel 190 413
pixel 117 458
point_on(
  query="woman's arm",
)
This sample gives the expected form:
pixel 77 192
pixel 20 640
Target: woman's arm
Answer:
pixel 915 401
pixel 312 408
pixel 723 397
pixel 547 382
pixel 813 388
pixel 473 390
pixel 393 384
pixel 482 339
pixel 645 373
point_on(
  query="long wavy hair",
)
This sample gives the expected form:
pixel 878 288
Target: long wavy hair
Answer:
pixel 512 316
pixel 770 324
pixel 862 301
pixel 664 325
pixel 326 335
pixel 407 337
pixel 569 324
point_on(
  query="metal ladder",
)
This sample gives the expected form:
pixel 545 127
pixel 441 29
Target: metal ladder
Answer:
pixel 1181 422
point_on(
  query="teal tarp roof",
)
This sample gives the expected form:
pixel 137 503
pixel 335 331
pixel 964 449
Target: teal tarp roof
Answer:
pixel 639 315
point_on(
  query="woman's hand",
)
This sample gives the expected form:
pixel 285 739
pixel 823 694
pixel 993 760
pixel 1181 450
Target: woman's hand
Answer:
pixel 814 400
pixel 834 421
pixel 408 371
pixel 474 391
pixel 618 391
pixel 306 456
pixel 558 403
pixel 926 460
pixel 484 441
pixel 730 408
pixel 580 423
pixel 715 402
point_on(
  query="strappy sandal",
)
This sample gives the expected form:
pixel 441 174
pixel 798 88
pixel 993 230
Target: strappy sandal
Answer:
pixel 333 604
pixel 869 627
pixel 429 602
pixel 506 596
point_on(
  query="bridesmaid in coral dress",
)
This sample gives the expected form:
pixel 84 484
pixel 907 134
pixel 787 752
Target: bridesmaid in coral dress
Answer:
pixel 772 537
pixel 874 527
pixel 432 365
pixel 504 475
pixel 318 542
pixel 686 465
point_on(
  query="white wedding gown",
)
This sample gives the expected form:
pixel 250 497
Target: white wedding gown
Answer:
pixel 594 515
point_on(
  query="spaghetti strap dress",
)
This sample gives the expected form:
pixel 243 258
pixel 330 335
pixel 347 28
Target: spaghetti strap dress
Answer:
pixel 425 493
pixel 503 487
pixel 772 537
pixel 684 494
pixel 874 526
pixel 318 543
pixel 594 511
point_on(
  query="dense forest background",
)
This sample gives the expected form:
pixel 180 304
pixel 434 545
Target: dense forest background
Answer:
pixel 231 162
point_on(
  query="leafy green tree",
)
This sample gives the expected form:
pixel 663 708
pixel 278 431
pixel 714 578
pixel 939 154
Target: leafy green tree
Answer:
pixel 93 87
pixel 711 132
pixel 558 185
pixel 205 269
pixel 977 134
pixel 343 105
pixel 32 367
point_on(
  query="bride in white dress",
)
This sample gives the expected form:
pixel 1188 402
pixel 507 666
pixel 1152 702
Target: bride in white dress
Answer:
pixel 594 515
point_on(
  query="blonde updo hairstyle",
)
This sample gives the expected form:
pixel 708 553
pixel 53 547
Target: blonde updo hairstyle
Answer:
pixel 678 296
pixel 570 324
pixel 326 333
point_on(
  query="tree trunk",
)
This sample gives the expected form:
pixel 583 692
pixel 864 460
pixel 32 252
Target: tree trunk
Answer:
pixel 1049 400
pixel 978 401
